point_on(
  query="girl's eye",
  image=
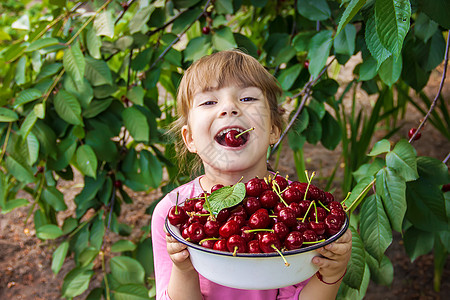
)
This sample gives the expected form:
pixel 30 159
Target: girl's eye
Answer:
pixel 247 99
pixel 208 103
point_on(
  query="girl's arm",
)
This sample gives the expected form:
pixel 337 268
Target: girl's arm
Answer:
pixel 332 268
pixel 184 282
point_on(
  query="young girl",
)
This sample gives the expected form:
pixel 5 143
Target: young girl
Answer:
pixel 224 91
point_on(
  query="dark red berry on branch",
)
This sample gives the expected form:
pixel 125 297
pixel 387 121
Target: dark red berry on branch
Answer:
pixel 206 30
pixel 411 133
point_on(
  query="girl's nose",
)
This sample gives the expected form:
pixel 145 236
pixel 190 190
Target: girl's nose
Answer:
pixel 229 109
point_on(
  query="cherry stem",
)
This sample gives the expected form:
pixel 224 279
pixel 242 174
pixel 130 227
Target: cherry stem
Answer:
pixel 281 254
pixel 315 211
pixel 309 207
pixel 239 134
pixel 208 206
pixel 176 203
pixel 324 206
pixel 309 179
pixel 315 242
pixel 235 250
pixel 208 239
pixel 258 229
pixel 361 196
pixel 348 195
pixel 275 187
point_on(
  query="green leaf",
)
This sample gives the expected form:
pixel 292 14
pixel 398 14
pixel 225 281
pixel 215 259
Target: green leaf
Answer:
pixel 68 107
pixel 82 90
pixel 127 270
pixel 123 245
pixel 142 59
pixel 26 96
pixel 97 233
pixel 378 51
pixel 313 132
pixel 369 170
pixel 223 39
pixel 59 256
pixel 319 50
pixel 390 70
pixel 74 63
pixel 184 3
pixel 301 40
pixel 437 10
pixel 20 76
pixel 424 27
pixel 356 265
pixel 54 198
pixel 392 23
pixel 97 72
pixel 76 282
pixel 344 43
pixel 433 53
pixel 197 48
pixel 350 11
pixel 104 23
pixel 368 69
pixel 331 132
pixel 87 161
pixel 426 205
pixel 20 170
pixel 382 273
pixel 7 115
pixel 13 204
pixel 48 232
pixel 144 254
pixel 417 242
pixel 136 95
pixel 225 197
pixel 93 43
pixel 136 123
pixel 87 256
pixel 96 107
pixel 403 159
pixel 380 147
pixel 223 7
pixel 288 76
pixel 141 18
pixel 131 292
pixel 314 10
pixel 246 44
pixel 391 187
pixel 42 43
pixel 375 229
pixel 433 170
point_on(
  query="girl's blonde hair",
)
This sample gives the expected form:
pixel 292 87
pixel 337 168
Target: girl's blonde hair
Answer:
pixel 216 71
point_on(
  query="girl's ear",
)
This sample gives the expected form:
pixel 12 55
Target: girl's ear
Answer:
pixel 188 139
pixel 274 134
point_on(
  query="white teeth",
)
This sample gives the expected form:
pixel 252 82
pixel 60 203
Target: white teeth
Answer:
pixel 222 132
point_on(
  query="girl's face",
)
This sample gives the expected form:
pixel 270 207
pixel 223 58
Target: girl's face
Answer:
pixel 216 111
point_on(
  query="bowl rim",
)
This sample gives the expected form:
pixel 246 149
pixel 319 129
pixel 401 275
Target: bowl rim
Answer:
pixel 258 255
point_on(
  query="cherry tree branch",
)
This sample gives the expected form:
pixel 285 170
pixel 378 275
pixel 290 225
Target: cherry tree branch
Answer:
pixel 441 85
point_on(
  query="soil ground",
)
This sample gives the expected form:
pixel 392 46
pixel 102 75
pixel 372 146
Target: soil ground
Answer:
pixel 25 260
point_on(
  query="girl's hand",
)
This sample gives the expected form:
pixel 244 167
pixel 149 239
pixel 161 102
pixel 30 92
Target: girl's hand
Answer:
pixel 178 253
pixel 336 256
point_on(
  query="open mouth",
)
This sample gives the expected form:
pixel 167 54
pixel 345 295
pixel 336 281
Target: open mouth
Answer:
pixel 226 137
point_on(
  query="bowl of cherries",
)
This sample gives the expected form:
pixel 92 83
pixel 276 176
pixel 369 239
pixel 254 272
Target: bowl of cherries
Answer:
pixel 257 235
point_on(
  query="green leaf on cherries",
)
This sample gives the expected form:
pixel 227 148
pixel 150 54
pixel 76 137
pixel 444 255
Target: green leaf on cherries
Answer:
pixel 225 197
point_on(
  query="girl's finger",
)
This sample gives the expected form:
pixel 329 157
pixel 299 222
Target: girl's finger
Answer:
pixel 180 257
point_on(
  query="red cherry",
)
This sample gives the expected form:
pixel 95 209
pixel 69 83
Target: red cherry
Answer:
pixel 223 215
pixel 208 244
pixel 332 225
pixel 314 193
pixel 338 213
pixel 238 211
pixel 246 235
pixel 240 220
pixel 306 64
pixel 297 209
pixel 317 227
pixel 236 244
pixel 254 187
pixel 206 30
pixel 229 228
pixel 196 232
pixel 304 205
pixel 281 230
pixel 294 240
pixel 220 245
pixel 231 140
pixel 301 226
pixel 253 246
pixel 446 188
pixel 335 205
pixel 269 199
pixel 281 182
pixel 321 214
pixel 267 241
pixel 251 204
pixel 309 236
pixel 287 216
pixel 189 204
pixel 216 187
pixel 292 194
pixel 117 183
pixel 328 198
pixel 411 133
pixel 177 215
pixel 211 228
pixel 260 219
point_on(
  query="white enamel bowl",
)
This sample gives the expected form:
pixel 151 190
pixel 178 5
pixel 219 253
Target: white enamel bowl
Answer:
pixel 254 271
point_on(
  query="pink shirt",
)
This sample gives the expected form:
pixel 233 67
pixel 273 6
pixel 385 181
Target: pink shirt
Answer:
pixel 209 289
